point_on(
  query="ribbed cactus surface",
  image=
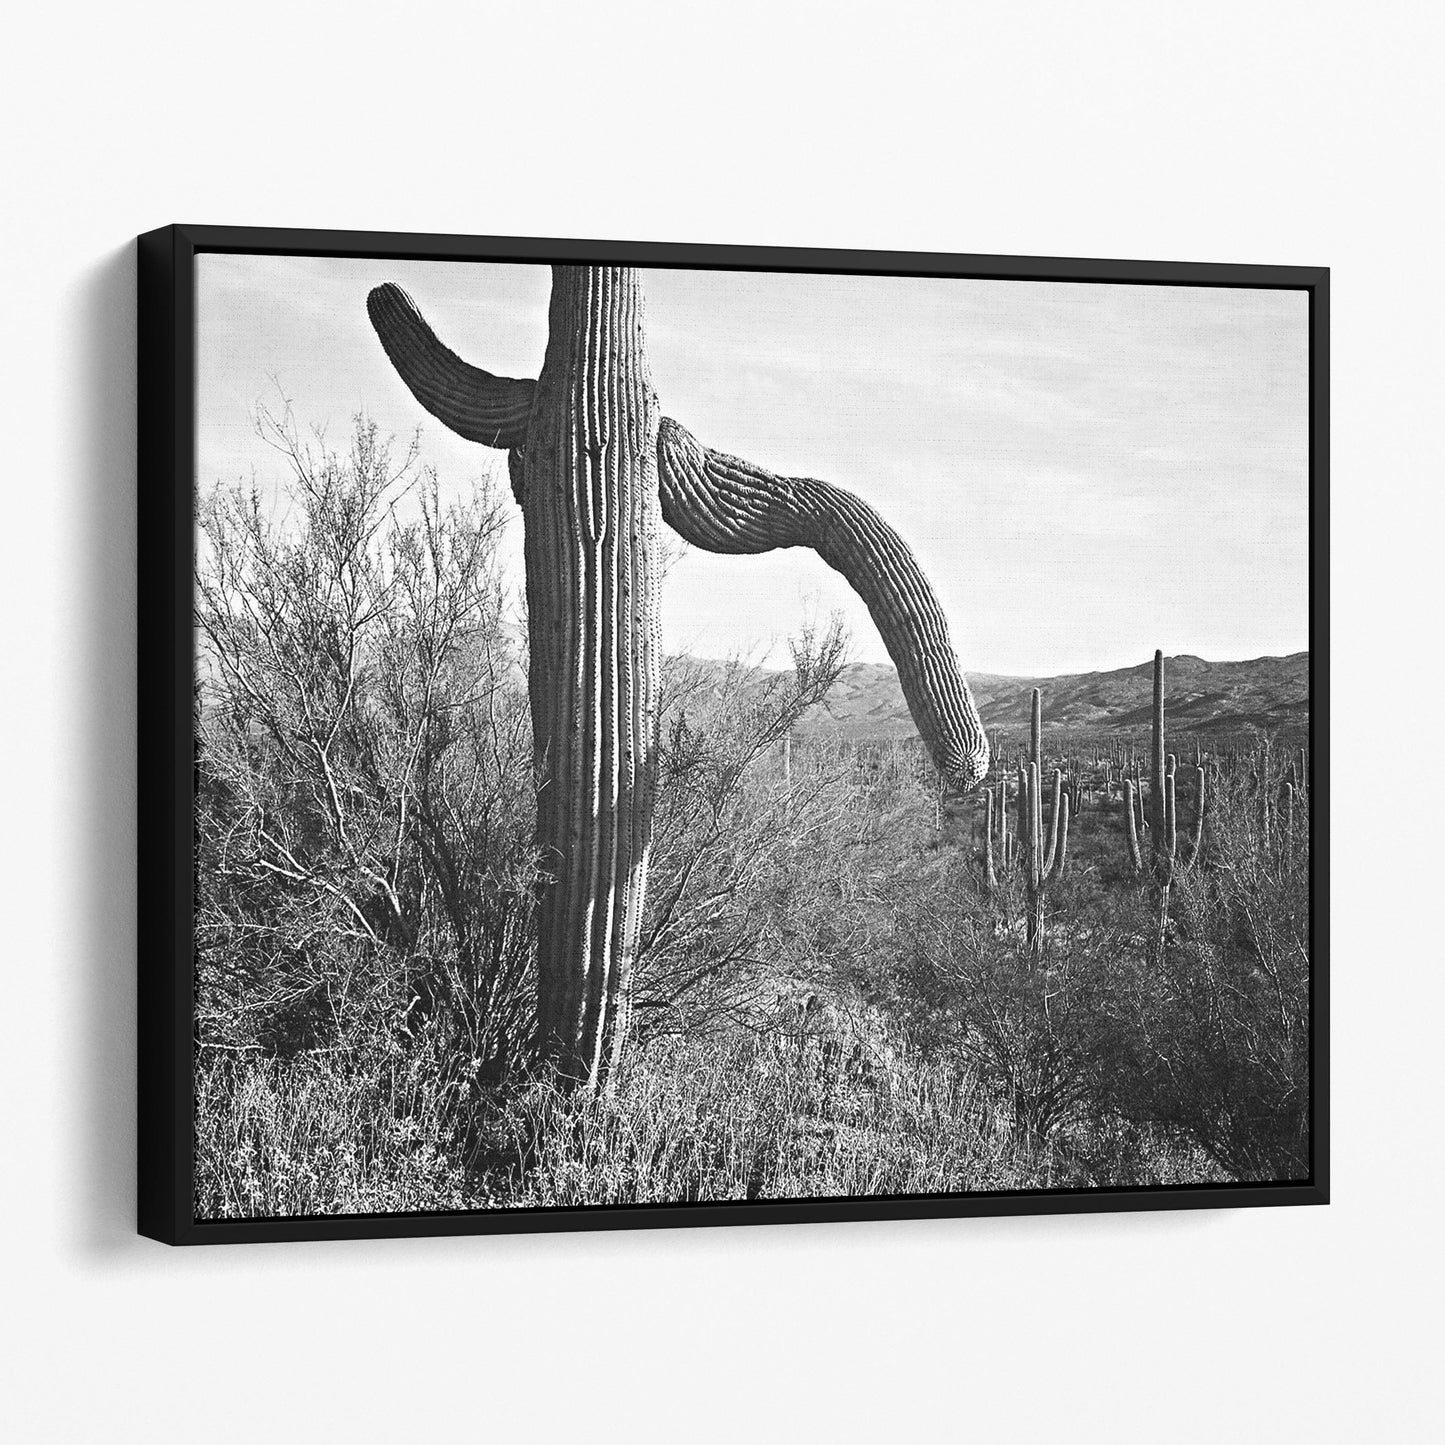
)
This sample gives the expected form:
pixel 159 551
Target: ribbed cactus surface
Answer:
pixel 1061 861
pixel 588 483
pixel 1196 841
pixel 1136 860
pixel 722 504
pixel 593 465
pixel 1157 805
pixel 493 410
pixel 1059 810
pixel 583 441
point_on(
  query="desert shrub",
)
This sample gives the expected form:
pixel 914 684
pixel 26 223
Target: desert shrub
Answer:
pixel 752 1116
pixel 1195 1030
pixel 1030 1024
pixel 1218 1021
pixel 827 1000
pixel 729 839
pixel 327 1132
pixel 363 772
pixel 364 813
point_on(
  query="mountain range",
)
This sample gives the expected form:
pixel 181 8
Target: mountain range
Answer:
pixel 1264 694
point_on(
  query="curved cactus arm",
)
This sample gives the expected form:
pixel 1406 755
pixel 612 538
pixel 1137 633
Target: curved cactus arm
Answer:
pixel 1059 796
pixel 722 504
pixel 1061 863
pixel 475 404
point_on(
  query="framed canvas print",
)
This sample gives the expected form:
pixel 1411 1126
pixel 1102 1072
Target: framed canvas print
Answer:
pixel 662 735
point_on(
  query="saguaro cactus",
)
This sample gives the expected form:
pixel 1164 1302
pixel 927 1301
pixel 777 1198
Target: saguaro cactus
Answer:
pixel 1196 841
pixel 990 872
pixel 721 504
pixel 1005 839
pixel 1136 860
pixel 1171 811
pixel 1162 816
pixel 1158 806
pixel 1042 866
pixel 593 463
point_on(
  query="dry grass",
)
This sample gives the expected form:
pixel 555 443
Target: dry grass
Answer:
pixel 324 1133
pixel 752 1117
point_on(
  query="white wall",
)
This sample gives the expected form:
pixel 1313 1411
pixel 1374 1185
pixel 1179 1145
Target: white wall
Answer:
pixel 1303 133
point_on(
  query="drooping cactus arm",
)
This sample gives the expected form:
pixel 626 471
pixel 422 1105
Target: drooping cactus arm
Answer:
pixel 721 504
pixel 475 404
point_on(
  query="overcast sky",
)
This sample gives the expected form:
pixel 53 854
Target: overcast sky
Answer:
pixel 1085 472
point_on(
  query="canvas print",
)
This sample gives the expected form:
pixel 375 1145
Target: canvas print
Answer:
pixel 680 735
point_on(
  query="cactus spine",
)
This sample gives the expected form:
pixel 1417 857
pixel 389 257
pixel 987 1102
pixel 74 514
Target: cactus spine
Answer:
pixel 593 465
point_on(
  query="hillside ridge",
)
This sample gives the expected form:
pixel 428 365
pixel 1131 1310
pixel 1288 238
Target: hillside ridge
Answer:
pixel 1257 694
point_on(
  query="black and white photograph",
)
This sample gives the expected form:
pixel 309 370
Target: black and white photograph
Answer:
pixel 684 735
pixel 718 723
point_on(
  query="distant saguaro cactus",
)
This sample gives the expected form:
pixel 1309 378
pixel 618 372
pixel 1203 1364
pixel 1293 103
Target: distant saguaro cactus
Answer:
pixel 1136 858
pixel 990 872
pixel 594 465
pixel 1158 806
pixel 1171 813
pixel 1196 841
pixel 1162 816
pixel 1000 813
pixel 1042 866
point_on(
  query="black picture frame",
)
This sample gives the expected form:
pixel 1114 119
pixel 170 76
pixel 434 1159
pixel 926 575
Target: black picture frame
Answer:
pixel 167 425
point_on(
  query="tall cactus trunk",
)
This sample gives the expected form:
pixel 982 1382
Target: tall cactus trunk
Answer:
pixel 1034 879
pixel 990 873
pixel 588 488
pixel 1058 807
pixel 1171 815
pixel 1157 807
